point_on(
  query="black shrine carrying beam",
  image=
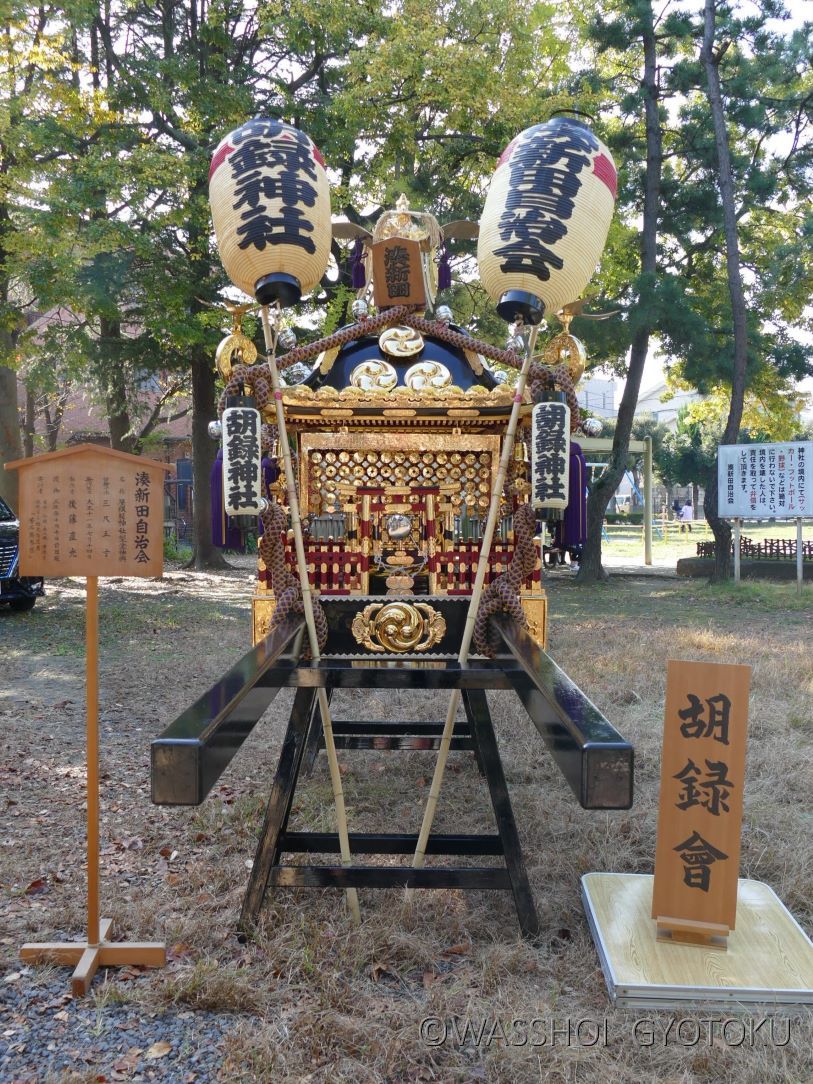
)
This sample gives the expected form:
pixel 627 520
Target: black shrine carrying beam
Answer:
pixel 194 751
pixel 593 757
pixel 191 754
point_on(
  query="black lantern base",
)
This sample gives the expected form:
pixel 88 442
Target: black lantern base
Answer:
pixel 515 303
pixel 278 287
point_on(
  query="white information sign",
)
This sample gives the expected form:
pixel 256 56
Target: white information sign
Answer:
pixel 765 480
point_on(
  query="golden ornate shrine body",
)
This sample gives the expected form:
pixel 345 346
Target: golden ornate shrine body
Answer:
pixel 398 439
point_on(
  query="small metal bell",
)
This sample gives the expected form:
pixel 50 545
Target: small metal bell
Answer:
pixel 592 427
pixel 215 430
pixel 516 343
pixel 359 308
pixel 287 339
pixel 444 314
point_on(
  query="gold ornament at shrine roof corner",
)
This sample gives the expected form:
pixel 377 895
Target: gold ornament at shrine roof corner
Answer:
pixel 398 627
pixel 566 349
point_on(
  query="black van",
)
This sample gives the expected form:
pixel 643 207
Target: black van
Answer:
pixel 20 592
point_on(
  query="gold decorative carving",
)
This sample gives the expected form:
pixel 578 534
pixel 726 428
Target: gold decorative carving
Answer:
pixel 451 396
pixel 400 342
pixel 475 360
pixel 427 374
pixel 398 627
pixel 375 376
pixel 566 349
pixel 235 349
pixel 535 608
pixel 326 359
pixel 262 611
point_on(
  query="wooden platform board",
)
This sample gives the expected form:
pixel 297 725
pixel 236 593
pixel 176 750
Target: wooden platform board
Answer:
pixel 769 961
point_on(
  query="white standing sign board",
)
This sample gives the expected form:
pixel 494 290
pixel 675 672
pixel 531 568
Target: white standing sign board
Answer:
pixel 765 481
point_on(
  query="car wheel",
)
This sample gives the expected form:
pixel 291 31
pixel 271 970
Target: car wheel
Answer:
pixel 21 605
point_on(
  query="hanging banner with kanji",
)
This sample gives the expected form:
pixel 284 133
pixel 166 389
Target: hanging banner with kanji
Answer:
pixel 90 511
pixel 697 860
pixel 765 480
pixel 550 455
pixel 242 461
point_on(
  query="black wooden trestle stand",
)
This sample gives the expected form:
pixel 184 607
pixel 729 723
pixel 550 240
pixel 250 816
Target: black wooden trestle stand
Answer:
pixel 276 840
pixel 191 754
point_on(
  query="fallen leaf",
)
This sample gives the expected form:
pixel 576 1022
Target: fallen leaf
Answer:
pixel 37 887
pixel 158 1050
pixel 13 977
pixel 457 950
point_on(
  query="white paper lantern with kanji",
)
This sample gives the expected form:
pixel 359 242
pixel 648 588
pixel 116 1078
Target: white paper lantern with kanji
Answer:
pixel 270 203
pixel 546 218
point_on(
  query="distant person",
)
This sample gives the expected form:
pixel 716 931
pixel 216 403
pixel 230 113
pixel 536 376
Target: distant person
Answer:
pixel 676 508
pixel 686 517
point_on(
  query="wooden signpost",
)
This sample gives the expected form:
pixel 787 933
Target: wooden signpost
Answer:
pixel 697 861
pixel 89 511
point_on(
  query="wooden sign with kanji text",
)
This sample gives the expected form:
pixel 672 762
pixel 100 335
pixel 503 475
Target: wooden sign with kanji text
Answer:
pixel 90 511
pixel 397 273
pixel 697 860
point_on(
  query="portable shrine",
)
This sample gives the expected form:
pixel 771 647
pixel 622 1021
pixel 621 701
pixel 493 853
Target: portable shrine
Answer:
pixel 408 468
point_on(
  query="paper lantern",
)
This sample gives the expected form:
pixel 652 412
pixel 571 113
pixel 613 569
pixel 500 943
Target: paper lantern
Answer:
pixel 546 218
pixel 270 202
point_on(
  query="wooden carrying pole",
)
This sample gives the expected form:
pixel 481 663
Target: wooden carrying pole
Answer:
pixel 474 605
pixel 302 567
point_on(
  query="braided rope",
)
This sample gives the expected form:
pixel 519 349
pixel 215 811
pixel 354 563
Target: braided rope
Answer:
pixel 541 378
pixel 502 594
pixel 286 587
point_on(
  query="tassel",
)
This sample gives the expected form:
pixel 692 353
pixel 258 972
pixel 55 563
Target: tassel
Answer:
pixel 358 278
pixel 444 271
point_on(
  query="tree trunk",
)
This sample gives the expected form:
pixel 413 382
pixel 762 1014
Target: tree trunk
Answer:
pixel 204 450
pixel 30 422
pixel 115 389
pixel 10 444
pixel 590 568
pixel 711 58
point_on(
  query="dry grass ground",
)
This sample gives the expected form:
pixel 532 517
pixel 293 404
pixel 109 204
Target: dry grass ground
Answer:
pixel 313 998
